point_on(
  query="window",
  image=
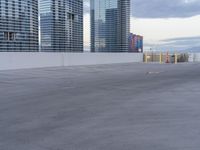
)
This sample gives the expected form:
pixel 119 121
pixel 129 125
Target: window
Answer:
pixel 70 16
pixel 9 36
pixel 6 36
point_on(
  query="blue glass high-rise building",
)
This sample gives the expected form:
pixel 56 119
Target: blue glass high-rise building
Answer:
pixel 110 25
pixel 19 25
pixel 61 23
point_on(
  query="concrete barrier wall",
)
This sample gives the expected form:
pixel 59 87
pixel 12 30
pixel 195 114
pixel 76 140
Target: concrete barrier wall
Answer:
pixel 39 60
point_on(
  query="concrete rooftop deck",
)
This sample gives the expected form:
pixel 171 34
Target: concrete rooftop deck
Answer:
pixel 105 107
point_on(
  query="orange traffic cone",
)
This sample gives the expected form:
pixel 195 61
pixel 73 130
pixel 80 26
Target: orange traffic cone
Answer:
pixel 167 57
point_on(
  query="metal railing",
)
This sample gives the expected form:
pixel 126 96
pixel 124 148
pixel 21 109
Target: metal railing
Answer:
pixel 165 57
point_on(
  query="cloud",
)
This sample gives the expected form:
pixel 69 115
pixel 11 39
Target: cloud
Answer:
pixel 186 42
pixel 179 44
pixel 161 8
pixel 165 8
pixel 195 38
pixel 86 6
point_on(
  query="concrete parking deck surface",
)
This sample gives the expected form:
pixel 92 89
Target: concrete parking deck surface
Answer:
pixel 106 107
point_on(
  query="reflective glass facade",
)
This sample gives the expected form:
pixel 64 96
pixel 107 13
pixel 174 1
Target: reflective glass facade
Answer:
pixel 61 23
pixel 19 26
pixel 110 25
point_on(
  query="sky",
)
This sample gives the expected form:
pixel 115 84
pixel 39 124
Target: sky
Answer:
pixel 165 24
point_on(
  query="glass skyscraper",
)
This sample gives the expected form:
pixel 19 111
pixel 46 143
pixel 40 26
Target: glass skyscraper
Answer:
pixel 110 25
pixel 61 23
pixel 19 26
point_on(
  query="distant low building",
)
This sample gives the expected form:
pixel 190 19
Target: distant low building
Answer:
pixel 135 43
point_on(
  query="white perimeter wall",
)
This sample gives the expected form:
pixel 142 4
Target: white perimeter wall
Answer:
pixel 39 60
pixel 196 57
